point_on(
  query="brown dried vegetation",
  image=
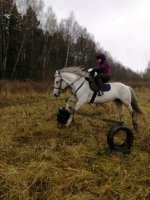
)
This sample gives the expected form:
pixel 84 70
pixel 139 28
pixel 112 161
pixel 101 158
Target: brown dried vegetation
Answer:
pixel 41 161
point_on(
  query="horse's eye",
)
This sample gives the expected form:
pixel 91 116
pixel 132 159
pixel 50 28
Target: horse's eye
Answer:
pixel 57 82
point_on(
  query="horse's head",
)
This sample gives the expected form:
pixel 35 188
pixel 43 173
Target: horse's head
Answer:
pixel 59 83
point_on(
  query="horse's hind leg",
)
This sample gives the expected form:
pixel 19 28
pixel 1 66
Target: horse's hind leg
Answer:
pixel 134 121
pixel 119 109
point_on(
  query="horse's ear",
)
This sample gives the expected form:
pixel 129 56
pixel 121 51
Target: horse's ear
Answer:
pixel 56 73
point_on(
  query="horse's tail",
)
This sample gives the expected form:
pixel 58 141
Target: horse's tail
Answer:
pixel 134 102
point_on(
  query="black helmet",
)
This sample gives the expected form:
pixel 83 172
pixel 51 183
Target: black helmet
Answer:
pixel 101 56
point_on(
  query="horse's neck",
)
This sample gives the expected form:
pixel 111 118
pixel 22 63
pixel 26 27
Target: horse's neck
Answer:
pixel 70 77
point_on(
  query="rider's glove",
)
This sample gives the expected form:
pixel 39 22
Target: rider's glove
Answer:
pixel 95 74
pixel 90 70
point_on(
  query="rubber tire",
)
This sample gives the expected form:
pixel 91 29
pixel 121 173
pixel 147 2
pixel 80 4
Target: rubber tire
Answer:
pixel 126 146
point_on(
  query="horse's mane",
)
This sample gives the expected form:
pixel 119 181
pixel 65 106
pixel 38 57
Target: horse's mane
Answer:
pixel 74 69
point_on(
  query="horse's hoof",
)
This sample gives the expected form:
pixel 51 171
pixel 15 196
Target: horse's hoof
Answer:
pixel 135 126
pixel 67 125
pixel 121 123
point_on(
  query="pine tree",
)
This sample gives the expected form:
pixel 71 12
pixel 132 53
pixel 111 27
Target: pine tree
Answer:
pixel 10 28
pixel 30 46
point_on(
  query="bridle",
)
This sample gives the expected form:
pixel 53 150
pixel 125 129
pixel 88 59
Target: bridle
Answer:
pixel 61 79
pixel 59 88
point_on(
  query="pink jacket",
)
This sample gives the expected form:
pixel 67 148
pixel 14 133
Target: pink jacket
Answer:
pixel 103 68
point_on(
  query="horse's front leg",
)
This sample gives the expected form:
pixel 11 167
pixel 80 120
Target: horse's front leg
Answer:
pixel 71 98
pixel 77 106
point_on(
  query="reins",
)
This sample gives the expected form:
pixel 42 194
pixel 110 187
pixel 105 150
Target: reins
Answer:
pixel 79 87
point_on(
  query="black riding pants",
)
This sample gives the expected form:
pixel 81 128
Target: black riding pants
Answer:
pixel 100 78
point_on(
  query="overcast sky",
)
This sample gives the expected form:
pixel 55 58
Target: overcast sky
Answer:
pixel 122 27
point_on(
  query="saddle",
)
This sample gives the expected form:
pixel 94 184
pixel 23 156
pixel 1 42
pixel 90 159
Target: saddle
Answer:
pixel 93 85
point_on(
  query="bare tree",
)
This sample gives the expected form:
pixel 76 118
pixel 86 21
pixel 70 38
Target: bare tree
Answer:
pixel 50 27
pixel 67 26
pixel 146 74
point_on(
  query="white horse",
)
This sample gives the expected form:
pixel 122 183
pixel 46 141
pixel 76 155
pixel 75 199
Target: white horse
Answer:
pixel 75 78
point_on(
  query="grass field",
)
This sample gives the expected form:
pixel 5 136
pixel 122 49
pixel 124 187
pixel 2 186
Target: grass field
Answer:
pixel 40 160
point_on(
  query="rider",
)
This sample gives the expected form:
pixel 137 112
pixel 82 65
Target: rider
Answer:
pixel 102 71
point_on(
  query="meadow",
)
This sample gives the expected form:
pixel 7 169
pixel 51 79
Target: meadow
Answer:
pixel 41 160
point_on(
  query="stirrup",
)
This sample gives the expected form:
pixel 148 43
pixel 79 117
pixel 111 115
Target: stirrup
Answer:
pixel 100 93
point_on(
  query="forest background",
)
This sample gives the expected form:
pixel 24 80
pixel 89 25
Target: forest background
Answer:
pixel 33 44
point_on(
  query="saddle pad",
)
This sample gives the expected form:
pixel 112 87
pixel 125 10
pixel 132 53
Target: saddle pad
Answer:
pixel 106 87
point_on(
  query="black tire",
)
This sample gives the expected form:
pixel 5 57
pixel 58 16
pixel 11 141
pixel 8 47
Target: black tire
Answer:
pixel 126 146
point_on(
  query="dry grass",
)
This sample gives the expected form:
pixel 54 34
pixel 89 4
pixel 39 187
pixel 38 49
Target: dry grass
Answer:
pixel 41 161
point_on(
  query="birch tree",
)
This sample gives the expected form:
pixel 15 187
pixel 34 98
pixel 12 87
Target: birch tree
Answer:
pixel 50 27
